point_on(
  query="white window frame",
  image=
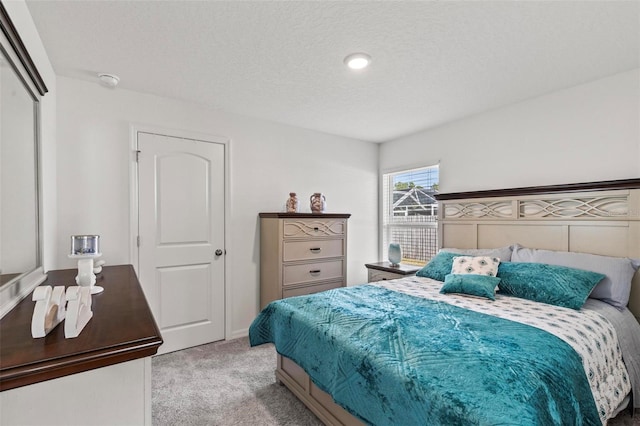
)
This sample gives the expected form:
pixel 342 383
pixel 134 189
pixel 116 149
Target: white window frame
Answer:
pixel 386 195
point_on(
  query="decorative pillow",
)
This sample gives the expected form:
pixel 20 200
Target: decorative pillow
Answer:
pixel 479 265
pixel 614 289
pixel 552 284
pixel 470 284
pixel 438 267
pixel 503 253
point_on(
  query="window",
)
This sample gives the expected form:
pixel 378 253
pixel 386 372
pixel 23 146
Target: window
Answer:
pixel 410 213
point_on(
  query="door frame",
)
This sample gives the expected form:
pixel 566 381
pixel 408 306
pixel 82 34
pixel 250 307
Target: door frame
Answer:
pixel 134 229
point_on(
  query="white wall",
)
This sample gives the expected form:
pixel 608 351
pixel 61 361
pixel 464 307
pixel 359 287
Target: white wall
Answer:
pixel 585 133
pixel 268 161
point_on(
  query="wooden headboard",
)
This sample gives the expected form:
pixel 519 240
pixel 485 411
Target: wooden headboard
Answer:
pixel 598 217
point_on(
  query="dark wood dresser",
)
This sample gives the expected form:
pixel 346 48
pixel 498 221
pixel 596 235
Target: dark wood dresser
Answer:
pixel 122 330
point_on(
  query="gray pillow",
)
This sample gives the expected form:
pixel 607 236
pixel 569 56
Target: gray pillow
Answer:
pixel 614 289
pixel 503 253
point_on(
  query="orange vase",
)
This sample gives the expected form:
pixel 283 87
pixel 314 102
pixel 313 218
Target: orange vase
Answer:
pixel 318 202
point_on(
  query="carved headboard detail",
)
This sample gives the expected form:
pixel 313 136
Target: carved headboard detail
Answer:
pixel 597 217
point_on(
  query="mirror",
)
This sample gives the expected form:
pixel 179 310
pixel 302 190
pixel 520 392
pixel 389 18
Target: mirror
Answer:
pixel 21 87
pixel 18 183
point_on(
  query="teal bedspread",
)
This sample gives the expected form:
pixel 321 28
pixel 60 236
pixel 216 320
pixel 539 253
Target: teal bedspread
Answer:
pixel 394 359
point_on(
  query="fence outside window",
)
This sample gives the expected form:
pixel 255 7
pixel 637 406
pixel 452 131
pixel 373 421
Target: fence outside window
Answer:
pixel 418 239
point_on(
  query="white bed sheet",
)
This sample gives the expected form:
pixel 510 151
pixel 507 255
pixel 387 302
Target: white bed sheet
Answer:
pixel 588 332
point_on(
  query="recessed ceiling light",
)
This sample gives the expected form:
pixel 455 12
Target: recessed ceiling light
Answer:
pixel 109 80
pixel 357 61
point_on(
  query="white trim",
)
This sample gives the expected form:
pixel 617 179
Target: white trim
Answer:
pixel 381 195
pixel 228 295
pixel 410 168
pixel 381 217
pixel 133 199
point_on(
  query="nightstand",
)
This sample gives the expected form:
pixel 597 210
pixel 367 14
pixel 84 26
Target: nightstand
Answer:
pixel 384 271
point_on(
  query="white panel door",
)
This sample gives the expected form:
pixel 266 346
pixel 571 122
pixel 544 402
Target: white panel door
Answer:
pixel 181 226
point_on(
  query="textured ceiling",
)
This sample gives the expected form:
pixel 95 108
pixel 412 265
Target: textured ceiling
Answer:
pixel 433 62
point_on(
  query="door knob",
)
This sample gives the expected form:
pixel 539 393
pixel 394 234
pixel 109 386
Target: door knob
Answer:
pixel 219 252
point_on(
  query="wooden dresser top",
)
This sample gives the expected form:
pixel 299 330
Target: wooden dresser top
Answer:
pixel 282 215
pixel 122 329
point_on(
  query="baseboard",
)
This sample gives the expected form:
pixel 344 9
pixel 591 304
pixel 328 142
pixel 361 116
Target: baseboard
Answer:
pixel 238 334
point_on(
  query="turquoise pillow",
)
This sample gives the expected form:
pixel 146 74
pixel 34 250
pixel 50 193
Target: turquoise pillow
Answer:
pixel 552 284
pixel 438 267
pixel 471 284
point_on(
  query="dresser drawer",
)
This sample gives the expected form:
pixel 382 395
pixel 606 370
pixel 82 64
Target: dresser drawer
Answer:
pixel 313 271
pixel 300 291
pixel 305 228
pixel 312 249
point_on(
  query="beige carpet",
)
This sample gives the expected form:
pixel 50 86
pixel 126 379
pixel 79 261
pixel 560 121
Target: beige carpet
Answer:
pixel 225 384
pixel 231 384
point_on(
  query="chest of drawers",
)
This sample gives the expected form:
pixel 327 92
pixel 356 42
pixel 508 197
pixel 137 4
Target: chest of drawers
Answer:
pixel 301 253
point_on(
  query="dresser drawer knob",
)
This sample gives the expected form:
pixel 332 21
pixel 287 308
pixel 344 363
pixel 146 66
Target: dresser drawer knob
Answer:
pixel 315 249
pixel 316 229
pixel 314 271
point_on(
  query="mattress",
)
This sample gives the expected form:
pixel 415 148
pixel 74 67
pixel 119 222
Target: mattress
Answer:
pixel 401 352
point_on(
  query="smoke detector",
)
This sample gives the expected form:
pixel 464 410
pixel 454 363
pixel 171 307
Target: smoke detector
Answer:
pixel 109 80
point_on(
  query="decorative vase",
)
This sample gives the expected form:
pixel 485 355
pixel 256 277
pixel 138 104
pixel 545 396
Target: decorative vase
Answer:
pixel 318 202
pixel 292 203
pixel 395 254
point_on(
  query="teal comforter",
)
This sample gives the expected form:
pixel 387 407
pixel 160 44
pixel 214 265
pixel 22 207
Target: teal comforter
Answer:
pixel 393 359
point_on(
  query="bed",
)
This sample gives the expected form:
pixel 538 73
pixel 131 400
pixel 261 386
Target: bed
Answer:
pixel 540 352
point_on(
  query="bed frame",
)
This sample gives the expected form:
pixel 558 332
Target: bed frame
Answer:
pixel 598 217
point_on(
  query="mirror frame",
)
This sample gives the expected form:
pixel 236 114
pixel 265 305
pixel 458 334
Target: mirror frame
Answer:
pixel 18 57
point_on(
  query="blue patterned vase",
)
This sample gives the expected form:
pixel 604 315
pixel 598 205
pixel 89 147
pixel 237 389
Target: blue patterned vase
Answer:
pixel 395 254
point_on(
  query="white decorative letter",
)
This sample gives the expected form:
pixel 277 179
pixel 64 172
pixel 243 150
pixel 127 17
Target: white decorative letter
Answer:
pixel 49 310
pixel 78 310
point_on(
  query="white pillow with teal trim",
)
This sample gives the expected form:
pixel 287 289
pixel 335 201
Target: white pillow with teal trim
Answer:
pixel 477 265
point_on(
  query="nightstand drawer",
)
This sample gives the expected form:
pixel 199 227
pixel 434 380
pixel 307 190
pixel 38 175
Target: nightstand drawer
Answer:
pixel 313 249
pixel 380 271
pixel 376 275
pixel 309 272
pixel 310 289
